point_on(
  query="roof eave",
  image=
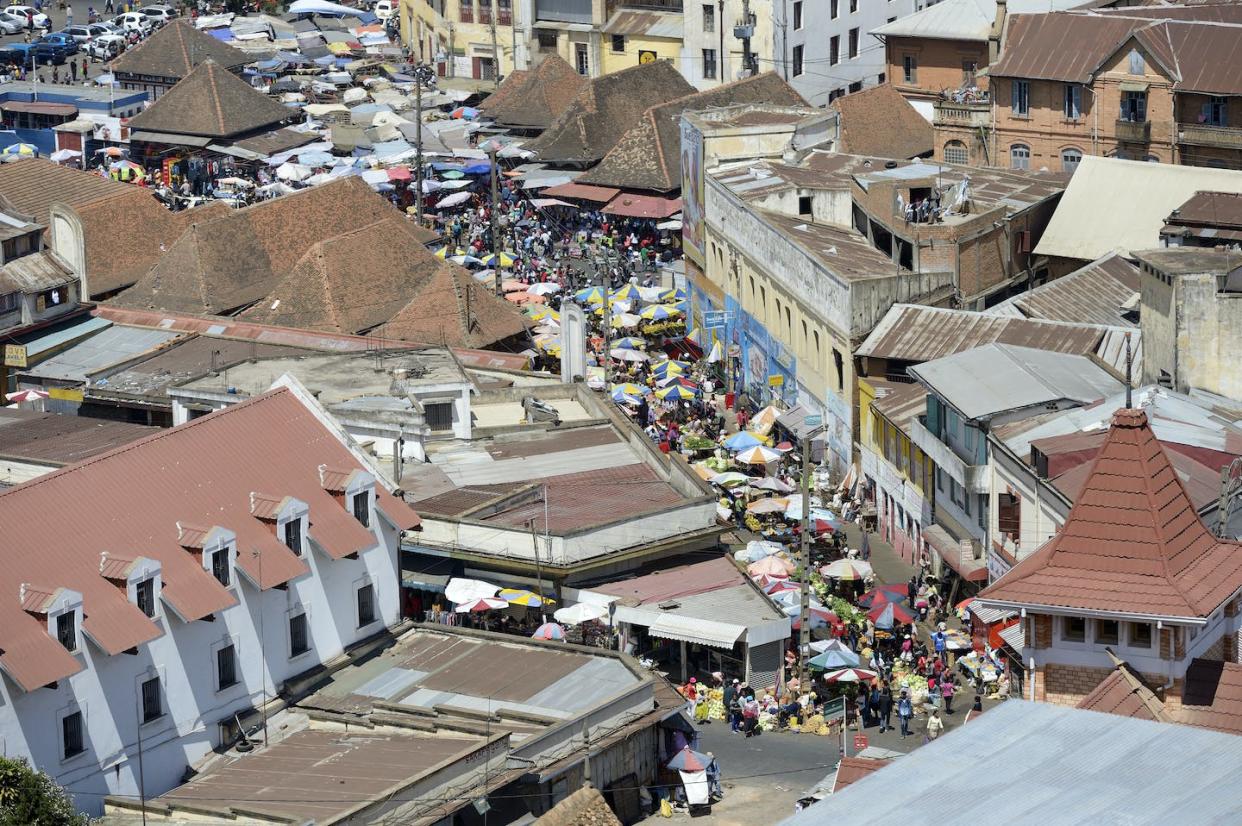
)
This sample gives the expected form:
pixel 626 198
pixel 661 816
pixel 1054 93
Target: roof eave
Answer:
pixel 1069 611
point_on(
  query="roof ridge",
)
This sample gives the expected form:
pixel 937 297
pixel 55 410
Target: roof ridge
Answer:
pixel 210 66
pixel 162 433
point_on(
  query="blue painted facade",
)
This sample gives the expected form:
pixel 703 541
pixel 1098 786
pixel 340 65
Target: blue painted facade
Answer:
pixel 88 99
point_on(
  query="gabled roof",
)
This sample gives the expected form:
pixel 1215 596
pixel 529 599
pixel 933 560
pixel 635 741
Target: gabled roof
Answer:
pixel 1099 293
pixel 1132 543
pixel 352 282
pixel 604 108
pixel 130 502
pixel 451 308
pixel 237 258
pixel 880 123
pixel 535 98
pixel 1211 697
pixel 648 155
pixel 211 102
pixel 175 50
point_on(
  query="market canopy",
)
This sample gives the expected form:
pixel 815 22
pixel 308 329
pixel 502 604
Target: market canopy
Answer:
pixel 326 9
pixel 583 192
pixel 643 206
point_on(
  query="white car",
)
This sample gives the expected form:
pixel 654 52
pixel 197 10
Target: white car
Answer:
pixel 133 21
pixel 384 9
pixel 159 15
pixel 82 34
pixel 41 21
pixel 106 46
pixel 10 23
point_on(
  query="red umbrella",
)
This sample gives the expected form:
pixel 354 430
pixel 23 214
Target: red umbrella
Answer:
pixel 850 675
pixel 884 593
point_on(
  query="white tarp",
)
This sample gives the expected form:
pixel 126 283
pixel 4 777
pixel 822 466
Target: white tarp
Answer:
pixel 697 788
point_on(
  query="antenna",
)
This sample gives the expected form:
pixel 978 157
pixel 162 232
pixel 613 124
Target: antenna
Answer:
pixel 1129 367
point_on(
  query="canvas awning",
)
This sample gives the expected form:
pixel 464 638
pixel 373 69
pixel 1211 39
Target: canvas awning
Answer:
pixel 144 136
pixel 704 632
pixel 951 552
pixel 643 206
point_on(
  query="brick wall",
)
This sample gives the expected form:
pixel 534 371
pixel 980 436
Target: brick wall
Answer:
pixel 1043 631
pixel 939 64
pixel 1216 651
pixel 1066 685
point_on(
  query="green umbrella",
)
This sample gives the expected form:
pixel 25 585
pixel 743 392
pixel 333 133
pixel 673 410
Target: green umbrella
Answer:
pixel 452 175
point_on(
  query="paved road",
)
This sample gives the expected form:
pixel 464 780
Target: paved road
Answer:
pixel 94 68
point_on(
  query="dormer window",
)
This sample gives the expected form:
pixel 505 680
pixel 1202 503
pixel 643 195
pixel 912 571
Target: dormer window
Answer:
pixel 293 535
pixel 144 596
pixel 67 630
pixel 362 507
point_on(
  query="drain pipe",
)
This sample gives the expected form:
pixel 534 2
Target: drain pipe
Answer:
pixel 1031 672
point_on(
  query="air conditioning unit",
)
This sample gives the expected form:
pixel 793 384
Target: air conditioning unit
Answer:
pixel 744 32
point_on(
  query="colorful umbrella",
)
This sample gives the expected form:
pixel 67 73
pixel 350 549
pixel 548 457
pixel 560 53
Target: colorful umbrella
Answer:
pixel 659 312
pixel 770 565
pixel 743 440
pixel 399 173
pixel 773 484
pixel 830 660
pixel 848 569
pixel 767 506
pixel 548 631
pixel 630 343
pixel 21 150
pixel 628 293
pixel 757 455
pixel 590 295
pixel 510 285
pixel 884 593
pixel 582 612
pixel 673 295
pixel 888 614
pixel 777 585
pixel 519 596
pixel 629 388
pixel 676 391
pixel 444 253
pixel 26 396
pixel 689 760
pixel 504 260
pixel 478 605
pixel 850 675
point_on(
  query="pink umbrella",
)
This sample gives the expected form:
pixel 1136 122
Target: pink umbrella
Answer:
pixel 26 396
pixel 778 586
pixel 549 631
pixel 399 173
pixel 484 604
pixel 849 675
pixel 771 565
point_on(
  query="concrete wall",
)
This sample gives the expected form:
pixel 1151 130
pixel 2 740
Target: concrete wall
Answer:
pixel 1192 328
pixel 697 38
pixel 184 657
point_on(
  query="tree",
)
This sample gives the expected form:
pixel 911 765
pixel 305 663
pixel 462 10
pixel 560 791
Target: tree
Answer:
pixel 29 797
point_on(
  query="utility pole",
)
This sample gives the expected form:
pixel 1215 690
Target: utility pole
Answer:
pixel 748 31
pixel 491 156
pixel 495 48
pixel 420 72
pixel 804 558
pixel 607 281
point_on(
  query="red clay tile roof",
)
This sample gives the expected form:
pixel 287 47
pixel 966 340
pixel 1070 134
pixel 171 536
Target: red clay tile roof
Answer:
pixel 132 499
pixel 1125 694
pixel 1132 542
pixel 534 99
pixel 335 479
pixel 1211 697
pixel 852 769
pixel 880 123
pixel 211 102
pixel 355 281
pixel 648 155
pixel 174 51
pixel 234 259
pixel 451 308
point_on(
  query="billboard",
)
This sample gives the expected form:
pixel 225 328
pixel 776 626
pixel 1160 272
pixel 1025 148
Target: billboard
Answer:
pixel 692 219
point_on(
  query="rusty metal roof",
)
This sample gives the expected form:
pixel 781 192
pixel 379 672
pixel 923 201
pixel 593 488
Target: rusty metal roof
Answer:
pixel 1099 293
pixel 34 273
pixel 58 439
pixel 649 23
pixel 910 332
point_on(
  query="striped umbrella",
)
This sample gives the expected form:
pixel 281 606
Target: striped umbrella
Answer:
pixel 676 391
pixel 882 594
pixel 669 367
pixel 590 295
pixel 630 343
pixel 689 760
pixel 520 596
pixel 757 455
pixel 548 631
pixel 21 150
pixel 659 312
pixel 628 293
pixel 504 260
pixel 850 675
pixel 743 440
pixel 847 569
pixel 479 605
pixel 890 613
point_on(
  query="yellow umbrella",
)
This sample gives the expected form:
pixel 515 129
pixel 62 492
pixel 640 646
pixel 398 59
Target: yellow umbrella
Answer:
pixel 520 596
pixel 444 252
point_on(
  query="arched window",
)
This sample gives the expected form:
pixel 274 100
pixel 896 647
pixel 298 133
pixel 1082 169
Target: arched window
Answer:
pixel 1019 156
pixel 956 152
pixel 1070 158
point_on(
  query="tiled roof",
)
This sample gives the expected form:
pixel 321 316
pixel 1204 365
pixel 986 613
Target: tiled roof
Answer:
pixel 1132 542
pixel 123 226
pixel 879 122
pixel 585 807
pixel 57 438
pixel 130 501
pixel 852 769
pixel 451 308
pixel 175 50
pixel 1211 697
pixel 648 155
pixel 534 99
pixel 352 282
pixel 1124 692
pixel 236 258
pixel 605 108
pixel 211 102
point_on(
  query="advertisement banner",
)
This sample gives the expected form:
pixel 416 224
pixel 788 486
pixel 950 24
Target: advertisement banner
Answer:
pixel 692 215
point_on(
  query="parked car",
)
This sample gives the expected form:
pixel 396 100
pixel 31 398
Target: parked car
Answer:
pixel 11 57
pixel 10 23
pixel 132 21
pixel 81 34
pixel 106 46
pixel 384 9
pixel 35 53
pixel 159 15
pixel 41 21
pixel 61 40
pixel 97 29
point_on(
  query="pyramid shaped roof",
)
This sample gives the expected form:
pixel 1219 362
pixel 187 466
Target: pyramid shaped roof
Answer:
pixel 211 102
pixel 175 50
pixel 1132 543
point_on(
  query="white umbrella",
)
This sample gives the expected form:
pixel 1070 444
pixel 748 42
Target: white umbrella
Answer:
pixel 626 320
pixel 62 155
pixel 453 200
pixel 621 354
pixel 544 288
pixel 461 590
pixel 290 171
pixel 582 612
pixel 716 354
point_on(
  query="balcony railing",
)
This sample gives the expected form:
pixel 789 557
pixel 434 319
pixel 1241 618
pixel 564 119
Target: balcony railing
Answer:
pixel 1131 131
pixel 467 14
pixel 969 115
pixel 1223 137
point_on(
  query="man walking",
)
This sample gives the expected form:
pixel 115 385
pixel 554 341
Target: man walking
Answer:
pixel 886 708
pixel 905 710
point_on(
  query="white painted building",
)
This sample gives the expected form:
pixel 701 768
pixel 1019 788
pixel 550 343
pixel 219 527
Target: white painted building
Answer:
pixel 153 595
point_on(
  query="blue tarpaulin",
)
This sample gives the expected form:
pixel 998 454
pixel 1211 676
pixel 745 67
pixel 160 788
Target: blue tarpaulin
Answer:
pixel 221 34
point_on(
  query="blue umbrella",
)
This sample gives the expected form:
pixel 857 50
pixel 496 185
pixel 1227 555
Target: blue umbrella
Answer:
pixel 479 168
pixel 742 441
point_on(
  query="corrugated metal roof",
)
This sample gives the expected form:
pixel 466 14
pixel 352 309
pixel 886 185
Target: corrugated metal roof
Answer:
pixel 1120 206
pixel 1037 763
pixel 1095 294
pixel 910 332
pixel 996 378
pixel 62 335
pixel 34 273
pixel 964 19
pixel 112 346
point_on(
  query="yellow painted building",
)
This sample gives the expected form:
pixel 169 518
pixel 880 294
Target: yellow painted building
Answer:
pixel 631 38
pixel 456 36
